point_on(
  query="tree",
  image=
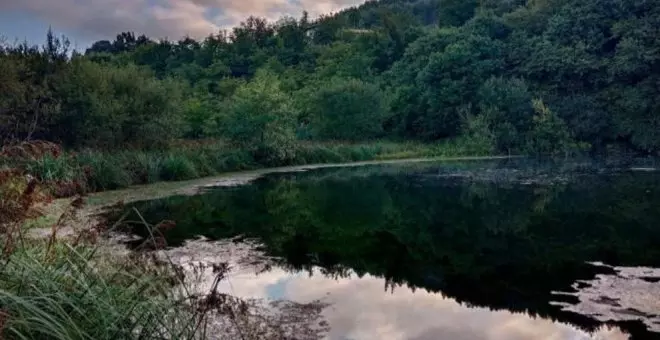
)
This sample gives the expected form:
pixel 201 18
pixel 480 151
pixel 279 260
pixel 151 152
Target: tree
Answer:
pixel 549 134
pixel 456 12
pixel 348 109
pixel 342 59
pixel 292 40
pixel 438 75
pixel 104 106
pixel 261 118
pixel 27 74
pixel 506 104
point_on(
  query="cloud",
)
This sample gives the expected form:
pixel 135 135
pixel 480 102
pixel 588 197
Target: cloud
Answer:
pixel 361 309
pixel 162 18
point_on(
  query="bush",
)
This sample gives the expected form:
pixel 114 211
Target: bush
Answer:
pixel 65 289
pixel 103 172
pixel 106 106
pixel 478 136
pixel 53 168
pixel 549 135
pixel 233 160
pixel 142 167
pixel 506 105
pixel 70 297
pixel 177 167
pixel 346 109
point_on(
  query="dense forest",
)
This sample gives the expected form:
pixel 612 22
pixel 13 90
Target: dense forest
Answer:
pixel 514 76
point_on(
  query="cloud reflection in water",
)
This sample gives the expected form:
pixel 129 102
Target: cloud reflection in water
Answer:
pixel 362 307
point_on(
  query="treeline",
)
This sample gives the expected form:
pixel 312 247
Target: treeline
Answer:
pixel 536 76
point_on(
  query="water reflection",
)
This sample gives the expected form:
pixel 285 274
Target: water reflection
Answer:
pixel 364 307
pixel 501 236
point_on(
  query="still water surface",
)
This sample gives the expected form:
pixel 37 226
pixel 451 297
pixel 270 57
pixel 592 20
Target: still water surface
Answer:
pixel 459 250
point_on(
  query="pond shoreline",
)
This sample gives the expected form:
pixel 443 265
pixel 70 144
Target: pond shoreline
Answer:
pixel 95 203
pixel 167 188
pixel 528 227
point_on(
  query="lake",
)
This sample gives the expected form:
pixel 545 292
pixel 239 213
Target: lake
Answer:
pixel 501 249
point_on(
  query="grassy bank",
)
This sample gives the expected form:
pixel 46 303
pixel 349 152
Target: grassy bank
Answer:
pixel 73 288
pixel 70 173
pixel 84 287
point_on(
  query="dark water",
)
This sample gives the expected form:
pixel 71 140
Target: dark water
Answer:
pixel 467 250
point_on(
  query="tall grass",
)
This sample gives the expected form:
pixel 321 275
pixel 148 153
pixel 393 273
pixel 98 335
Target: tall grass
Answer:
pixel 67 292
pixel 78 288
pixel 64 288
pixel 97 171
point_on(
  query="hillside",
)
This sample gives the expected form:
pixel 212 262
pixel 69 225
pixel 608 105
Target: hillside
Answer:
pixel 537 76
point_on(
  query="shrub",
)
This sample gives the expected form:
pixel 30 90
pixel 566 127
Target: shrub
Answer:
pixel 103 172
pixel 69 289
pixel 143 167
pixel 478 136
pixel 177 167
pixel 106 106
pixel 53 168
pixel 549 134
pixel 347 109
pixel 202 162
pixel 70 297
pixel 506 105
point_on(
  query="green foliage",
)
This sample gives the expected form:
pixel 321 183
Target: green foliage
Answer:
pixel 57 289
pixel 478 135
pixel 141 167
pixel 344 109
pixel 103 172
pixel 549 134
pixel 106 106
pixel 27 76
pixel 595 62
pixel 177 168
pixel 343 59
pixel 438 75
pixel 261 118
pixel 456 12
pixel 197 116
pixel 506 106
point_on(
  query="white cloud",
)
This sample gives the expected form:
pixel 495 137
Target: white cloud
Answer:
pixel 361 309
pixel 162 18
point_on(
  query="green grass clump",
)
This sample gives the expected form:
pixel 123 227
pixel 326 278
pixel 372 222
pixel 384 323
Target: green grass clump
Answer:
pixel 202 162
pixel 142 167
pixel 103 171
pixel 50 168
pixel 177 167
pixel 233 160
pixel 319 154
pixel 67 298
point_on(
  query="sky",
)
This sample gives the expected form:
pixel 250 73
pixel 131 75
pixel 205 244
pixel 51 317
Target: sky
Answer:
pixel 86 21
